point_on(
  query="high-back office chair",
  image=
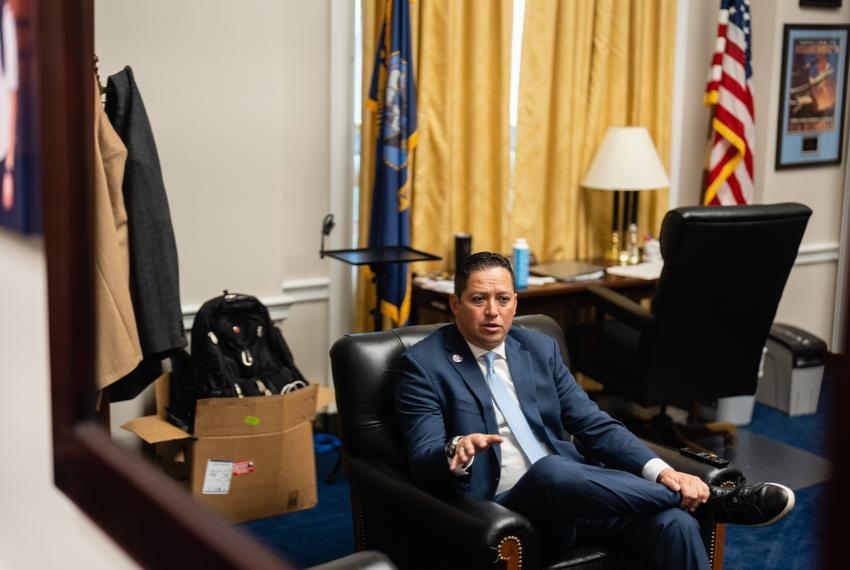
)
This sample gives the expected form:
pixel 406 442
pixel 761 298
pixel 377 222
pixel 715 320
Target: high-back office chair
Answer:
pixel 419 530
pixel 724 272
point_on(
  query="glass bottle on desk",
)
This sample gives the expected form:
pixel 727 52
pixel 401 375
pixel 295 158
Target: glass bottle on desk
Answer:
pixel 625 247
pixel 614 252
pixel 632 248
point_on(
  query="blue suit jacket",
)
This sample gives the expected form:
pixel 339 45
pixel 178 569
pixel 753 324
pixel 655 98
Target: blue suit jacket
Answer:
pixel 442 393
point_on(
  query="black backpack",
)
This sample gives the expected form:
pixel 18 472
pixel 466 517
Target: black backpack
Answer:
pixel 237 351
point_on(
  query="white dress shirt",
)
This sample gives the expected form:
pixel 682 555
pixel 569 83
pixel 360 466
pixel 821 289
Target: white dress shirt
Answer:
pixel 514 461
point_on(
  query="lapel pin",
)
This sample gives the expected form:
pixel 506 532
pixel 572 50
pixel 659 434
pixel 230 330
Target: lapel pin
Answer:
pixel 457 358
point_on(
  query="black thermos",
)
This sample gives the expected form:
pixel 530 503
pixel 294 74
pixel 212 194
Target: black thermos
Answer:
pixel 463 248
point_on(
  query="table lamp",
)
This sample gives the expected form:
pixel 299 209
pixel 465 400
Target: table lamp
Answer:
pixel 625 162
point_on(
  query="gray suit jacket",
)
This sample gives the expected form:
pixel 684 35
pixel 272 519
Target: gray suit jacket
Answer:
pixel 154 280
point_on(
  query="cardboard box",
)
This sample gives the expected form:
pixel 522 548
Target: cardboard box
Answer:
pixel 249 458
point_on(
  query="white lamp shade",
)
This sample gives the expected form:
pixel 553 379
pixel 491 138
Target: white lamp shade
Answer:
pixel 626 160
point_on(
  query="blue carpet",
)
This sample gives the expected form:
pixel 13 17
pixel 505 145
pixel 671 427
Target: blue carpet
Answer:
pixel 810 432
pixel 316 535
pixel 796 541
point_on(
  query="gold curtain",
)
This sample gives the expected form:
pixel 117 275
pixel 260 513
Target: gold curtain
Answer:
pixel 460 169
pixel 587 65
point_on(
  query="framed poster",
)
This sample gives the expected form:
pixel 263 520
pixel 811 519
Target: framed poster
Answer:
pixel 820 3
pixel 813 95
pixel 20 195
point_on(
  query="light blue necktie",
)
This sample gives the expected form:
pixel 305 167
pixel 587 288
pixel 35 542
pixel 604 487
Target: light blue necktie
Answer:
pixel 528 442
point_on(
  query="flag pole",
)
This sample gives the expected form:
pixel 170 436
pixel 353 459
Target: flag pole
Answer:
pixel 709 142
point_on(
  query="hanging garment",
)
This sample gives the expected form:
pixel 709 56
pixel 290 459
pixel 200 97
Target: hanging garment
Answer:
pixel 117 348
pixel 154 281
pixel 8 72
pixel 12 212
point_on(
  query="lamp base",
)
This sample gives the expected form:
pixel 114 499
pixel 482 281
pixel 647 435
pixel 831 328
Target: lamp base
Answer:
pixel 614 252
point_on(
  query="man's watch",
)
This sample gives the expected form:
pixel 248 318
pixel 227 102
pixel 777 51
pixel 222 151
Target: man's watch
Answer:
pixel 451 446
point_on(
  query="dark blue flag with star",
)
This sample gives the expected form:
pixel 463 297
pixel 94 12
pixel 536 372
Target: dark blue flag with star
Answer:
pixel 392 97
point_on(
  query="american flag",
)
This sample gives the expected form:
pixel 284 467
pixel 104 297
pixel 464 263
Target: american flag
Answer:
pixel 730 90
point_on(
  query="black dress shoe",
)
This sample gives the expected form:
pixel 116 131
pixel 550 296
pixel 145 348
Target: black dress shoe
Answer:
pixel 760 504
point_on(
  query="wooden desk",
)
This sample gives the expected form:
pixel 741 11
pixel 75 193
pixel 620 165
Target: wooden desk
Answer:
pixel 565 302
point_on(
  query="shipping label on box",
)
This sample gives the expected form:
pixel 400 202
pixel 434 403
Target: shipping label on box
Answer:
pixel 217 477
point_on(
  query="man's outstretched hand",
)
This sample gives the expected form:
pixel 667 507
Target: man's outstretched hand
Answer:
pixel 469 445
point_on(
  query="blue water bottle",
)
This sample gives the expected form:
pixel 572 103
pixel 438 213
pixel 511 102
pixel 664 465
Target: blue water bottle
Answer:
pixel 521 263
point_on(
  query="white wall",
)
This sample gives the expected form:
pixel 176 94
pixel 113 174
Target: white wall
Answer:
pixel 238 98
pixel 810 294
pixel 811 291
pixel 39 526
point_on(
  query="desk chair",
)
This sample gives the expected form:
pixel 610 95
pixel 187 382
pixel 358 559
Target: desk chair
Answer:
pixel 417 529
pixel 724 272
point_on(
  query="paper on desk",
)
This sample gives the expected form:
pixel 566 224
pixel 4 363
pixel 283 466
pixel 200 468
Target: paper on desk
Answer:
pixel 538 280
pixel 647 270
pixel 448 286
pixel 441 285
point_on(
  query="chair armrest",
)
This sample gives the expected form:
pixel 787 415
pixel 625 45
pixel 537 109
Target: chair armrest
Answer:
pixel 468 529
pixel 622 308
pixel 710 474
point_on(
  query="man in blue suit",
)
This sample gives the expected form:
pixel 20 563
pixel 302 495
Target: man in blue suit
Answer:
pixel 484 408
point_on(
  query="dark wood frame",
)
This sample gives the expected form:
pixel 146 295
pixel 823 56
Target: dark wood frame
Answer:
pixel 841 106
pixel 820 3
pixel 151 517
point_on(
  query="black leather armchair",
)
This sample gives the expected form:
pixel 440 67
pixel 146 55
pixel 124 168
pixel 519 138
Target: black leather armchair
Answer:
pixel 420 530
pixel 724 272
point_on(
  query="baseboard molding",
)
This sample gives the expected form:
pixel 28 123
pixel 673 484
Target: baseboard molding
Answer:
pixel 809 254
pixel 278 306
pixel 307 290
